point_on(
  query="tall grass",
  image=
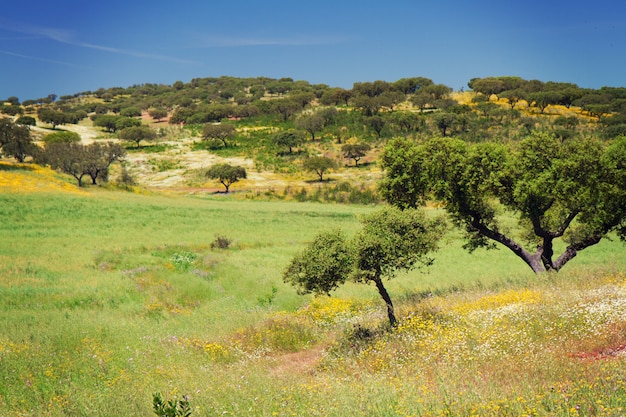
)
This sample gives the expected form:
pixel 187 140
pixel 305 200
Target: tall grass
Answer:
pixel 108 297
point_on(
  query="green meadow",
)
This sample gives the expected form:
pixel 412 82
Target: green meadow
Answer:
pixel 108 297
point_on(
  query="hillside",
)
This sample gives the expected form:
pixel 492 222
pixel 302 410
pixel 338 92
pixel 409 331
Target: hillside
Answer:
pixel 146 281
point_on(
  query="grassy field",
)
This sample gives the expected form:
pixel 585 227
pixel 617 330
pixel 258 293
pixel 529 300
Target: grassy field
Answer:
pixel 108 297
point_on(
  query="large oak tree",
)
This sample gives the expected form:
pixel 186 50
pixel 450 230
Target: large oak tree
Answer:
pixel 572 191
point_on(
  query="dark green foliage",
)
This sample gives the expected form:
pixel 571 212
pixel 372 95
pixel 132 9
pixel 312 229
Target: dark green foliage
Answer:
pixel 15 140
pixel 171 408
pixel 62 136
pixel 322 266
pixel 226 174
pixel 288 139
pixel 572 190
pixel 320 165
pixel 137 134
pixel 26 121
pixel 79 160
pixel 390 240
pixel 355 151
pixel 221 132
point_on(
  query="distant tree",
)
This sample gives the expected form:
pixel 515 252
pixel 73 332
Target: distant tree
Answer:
pixel 320 165
pixel 13 100
pixel 289 139
pixel 15 140
pixel 543 99
pixel 421 100
pixel 53 117
pixel 12 110
pixel 137 134
pixel 130 112
pixel 26 121
pixel 226 174
pixel 67 157
pixel 63 136
pixel 488 86
pixel 355 151
pixel 99 157
pixel 125 122
pixel 411 85
pixel 222 132
pixel 445 121
pixel 513 96
pixel 286 107
pixel 108 122
pixel 391 99
pixel 376 123
pixel 157 113
pixel 312 123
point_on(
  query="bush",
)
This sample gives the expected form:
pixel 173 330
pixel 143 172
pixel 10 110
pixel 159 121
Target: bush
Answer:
pixel 221 242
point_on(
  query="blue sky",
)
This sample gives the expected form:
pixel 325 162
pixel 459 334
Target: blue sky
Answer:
pixel 67 46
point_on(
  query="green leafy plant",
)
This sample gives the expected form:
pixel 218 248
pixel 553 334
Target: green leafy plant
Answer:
pixel 171 408
pixel 183 260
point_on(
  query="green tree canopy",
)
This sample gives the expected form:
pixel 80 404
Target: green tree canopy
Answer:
pixel 15 140
pixel 573 190
pixel 61 136
pixel 390 240
pixel 222 132
pixel 137 134
pixel 288 139
pixel 320 165
pixel 355 151
pixel 226 174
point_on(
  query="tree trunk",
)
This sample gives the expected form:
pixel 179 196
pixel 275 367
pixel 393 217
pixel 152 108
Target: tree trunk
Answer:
pixel 383 293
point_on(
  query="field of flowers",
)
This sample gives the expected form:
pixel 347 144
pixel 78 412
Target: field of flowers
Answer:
pixel 107 298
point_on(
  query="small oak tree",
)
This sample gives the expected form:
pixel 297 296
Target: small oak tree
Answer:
pixel 320 165
pixel 289 139
pixel 226 174
pixel 222 132
pixel 355 151
pixel 137 134
pixel 391 240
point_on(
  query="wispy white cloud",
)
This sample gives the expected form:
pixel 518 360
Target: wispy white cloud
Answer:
pixel 66 37
pixel 233 41
pixel 35 58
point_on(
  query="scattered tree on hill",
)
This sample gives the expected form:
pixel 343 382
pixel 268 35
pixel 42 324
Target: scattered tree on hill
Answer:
pixel 137 134
pixel 15 140
pixel 312 123
pixel 12 110
pixel 226 174
pixel 222 132
pixel 355 151
pixel 573 190
pixel 99 157
pixel 157 113
pixel 78 160
pixel 320 165
pixel 62 136
pixel 53 117
pixel 26 121
pixel 67 157
pixel 391 240
pixel 112 123
pixel 289 139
